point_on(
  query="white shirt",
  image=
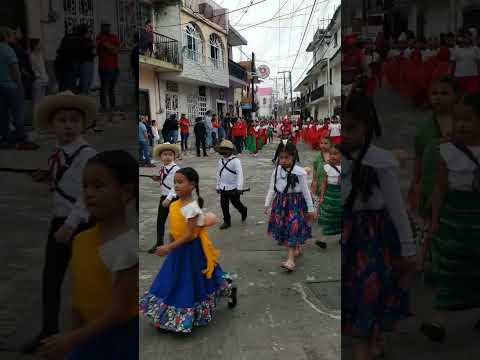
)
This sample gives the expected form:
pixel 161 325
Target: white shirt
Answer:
pixel 155 133
pixel 192 210
pixel 228 180
pixel 388 196
pixel 167 177
pixel 120 253
pixel 333 176
pixel 460 168
pixel 466 61
pixel 335 129
pixel 281 183
pixel 38 66
pixel 71 183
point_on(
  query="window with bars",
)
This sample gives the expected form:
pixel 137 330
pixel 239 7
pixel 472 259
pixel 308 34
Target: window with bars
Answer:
pixel 193 43
pixel 216 51
pixel 202 106
pixel 171 104
pixel 78 12
pixel 130 15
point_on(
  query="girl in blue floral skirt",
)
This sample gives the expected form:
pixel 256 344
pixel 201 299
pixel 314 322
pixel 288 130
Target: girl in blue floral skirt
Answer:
pixel 377 243
pixel 289 204
pixel 190 283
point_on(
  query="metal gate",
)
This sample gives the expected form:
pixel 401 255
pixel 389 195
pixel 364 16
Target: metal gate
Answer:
pixel 171 104
pixel 79 12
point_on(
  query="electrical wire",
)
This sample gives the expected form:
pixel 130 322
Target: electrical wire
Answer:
pixel 211 17
pixel 243 14
pixel 304 34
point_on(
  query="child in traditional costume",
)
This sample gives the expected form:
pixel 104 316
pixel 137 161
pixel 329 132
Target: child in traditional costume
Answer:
pixel 289 204
pixel 190 283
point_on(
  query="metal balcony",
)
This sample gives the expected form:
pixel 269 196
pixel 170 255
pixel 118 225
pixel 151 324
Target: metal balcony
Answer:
pixel 164 49
pixel 236 70
pixel 317 93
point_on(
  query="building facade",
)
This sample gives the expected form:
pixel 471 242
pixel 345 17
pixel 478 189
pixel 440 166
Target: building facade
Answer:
pixel 50 20
pixel 321 88
pixel 189 69
pixel 265 101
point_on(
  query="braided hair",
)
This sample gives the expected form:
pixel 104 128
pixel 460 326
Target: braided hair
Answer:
pixel 192 175
pixel 362 109
pixel 289 148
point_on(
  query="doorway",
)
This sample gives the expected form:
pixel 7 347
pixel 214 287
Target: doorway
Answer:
pixel 144 103
pixel 221 106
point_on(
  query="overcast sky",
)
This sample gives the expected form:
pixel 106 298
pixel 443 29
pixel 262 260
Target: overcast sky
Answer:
pixel 276 43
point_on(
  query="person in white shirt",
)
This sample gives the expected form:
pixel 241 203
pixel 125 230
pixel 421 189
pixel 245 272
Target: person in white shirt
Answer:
pixel 289 204
pixel 166 153
pixel 40 85
pixel 156 135
pixel 466 60
pixel 230 183
pixel 66 115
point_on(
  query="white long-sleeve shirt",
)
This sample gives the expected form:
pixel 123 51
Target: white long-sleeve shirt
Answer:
pixel 281 182
pixel 231 176
pixel 387 196
pixel 167 183
pixel 71 183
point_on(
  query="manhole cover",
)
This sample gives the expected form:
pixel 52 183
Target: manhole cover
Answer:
pixel 328 293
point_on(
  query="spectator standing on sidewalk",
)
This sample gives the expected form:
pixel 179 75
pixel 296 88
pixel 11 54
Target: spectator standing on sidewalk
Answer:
pixel 209 128
pixel 40 85
pixel 170 129
pixel 108 46
pixel 12 101
pixel 86 53
pixel 215 127
pixel 144 153
pixel 66 66
pixel 184 132
pixel 156 136
pixel 200 131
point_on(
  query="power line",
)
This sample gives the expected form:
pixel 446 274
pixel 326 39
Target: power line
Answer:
pixel 281 16
pixel 243 14
pixel 213 16
pixel 304 34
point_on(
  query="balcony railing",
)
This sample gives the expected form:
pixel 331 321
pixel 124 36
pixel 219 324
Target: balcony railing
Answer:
pixel 317 93
pixel 164 48
pixel 236 70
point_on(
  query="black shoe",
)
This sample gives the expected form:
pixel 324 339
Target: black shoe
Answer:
pixel 153 249
pixel 224 226
pixel 245 214
pixel 205 155
pixel 434 332
pixel 232 302
pixel 33 345
pixel 321 244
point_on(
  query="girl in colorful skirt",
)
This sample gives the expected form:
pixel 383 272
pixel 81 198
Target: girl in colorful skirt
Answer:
pixel 331 207
pixel 104 267
pixel 190 283
pixel 455 218
pixel 319 173
pixel 289 204
pixel 443 96
pixel 377 245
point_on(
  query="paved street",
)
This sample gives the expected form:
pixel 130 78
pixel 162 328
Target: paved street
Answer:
pixel 279 316
pixel 25 208
pixel 399 120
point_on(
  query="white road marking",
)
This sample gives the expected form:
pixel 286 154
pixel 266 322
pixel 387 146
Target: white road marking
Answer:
pixel 302 292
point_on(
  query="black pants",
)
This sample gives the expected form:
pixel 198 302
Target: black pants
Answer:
pixel 201 142
pixel 108 81
pixel 162 216
pixel 57 258
pixel 238 141
pixel 227 197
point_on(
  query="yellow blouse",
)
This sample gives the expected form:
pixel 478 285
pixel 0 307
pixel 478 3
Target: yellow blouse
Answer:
pixel 178 227
pixel 92 280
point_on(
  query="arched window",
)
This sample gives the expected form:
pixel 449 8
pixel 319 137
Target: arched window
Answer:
pixel 193 43
pixel 216 51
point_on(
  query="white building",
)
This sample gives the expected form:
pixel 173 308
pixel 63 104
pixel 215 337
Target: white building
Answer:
pixel 188 73
pixel 321 88
pixel 265 102
pixel 50 20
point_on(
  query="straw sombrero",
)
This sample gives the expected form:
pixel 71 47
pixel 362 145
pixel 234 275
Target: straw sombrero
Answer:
pixel 157 151
pixel 225 144
pixel 64 100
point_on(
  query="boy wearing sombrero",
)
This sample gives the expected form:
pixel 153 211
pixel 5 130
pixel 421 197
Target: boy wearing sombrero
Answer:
pixel 167 153
pixel 66 116
pixel 229 182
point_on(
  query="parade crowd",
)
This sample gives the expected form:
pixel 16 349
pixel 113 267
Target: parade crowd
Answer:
pixel 381 249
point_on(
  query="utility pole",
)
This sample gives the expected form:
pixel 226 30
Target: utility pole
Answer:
pixel 285 89
pixel 253 87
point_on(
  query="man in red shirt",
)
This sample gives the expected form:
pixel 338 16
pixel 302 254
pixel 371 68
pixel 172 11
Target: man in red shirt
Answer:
pixel 184 131
pixel 108 46
pixel 237 135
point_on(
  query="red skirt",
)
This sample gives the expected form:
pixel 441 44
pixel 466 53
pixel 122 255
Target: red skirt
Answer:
pixel 336 139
